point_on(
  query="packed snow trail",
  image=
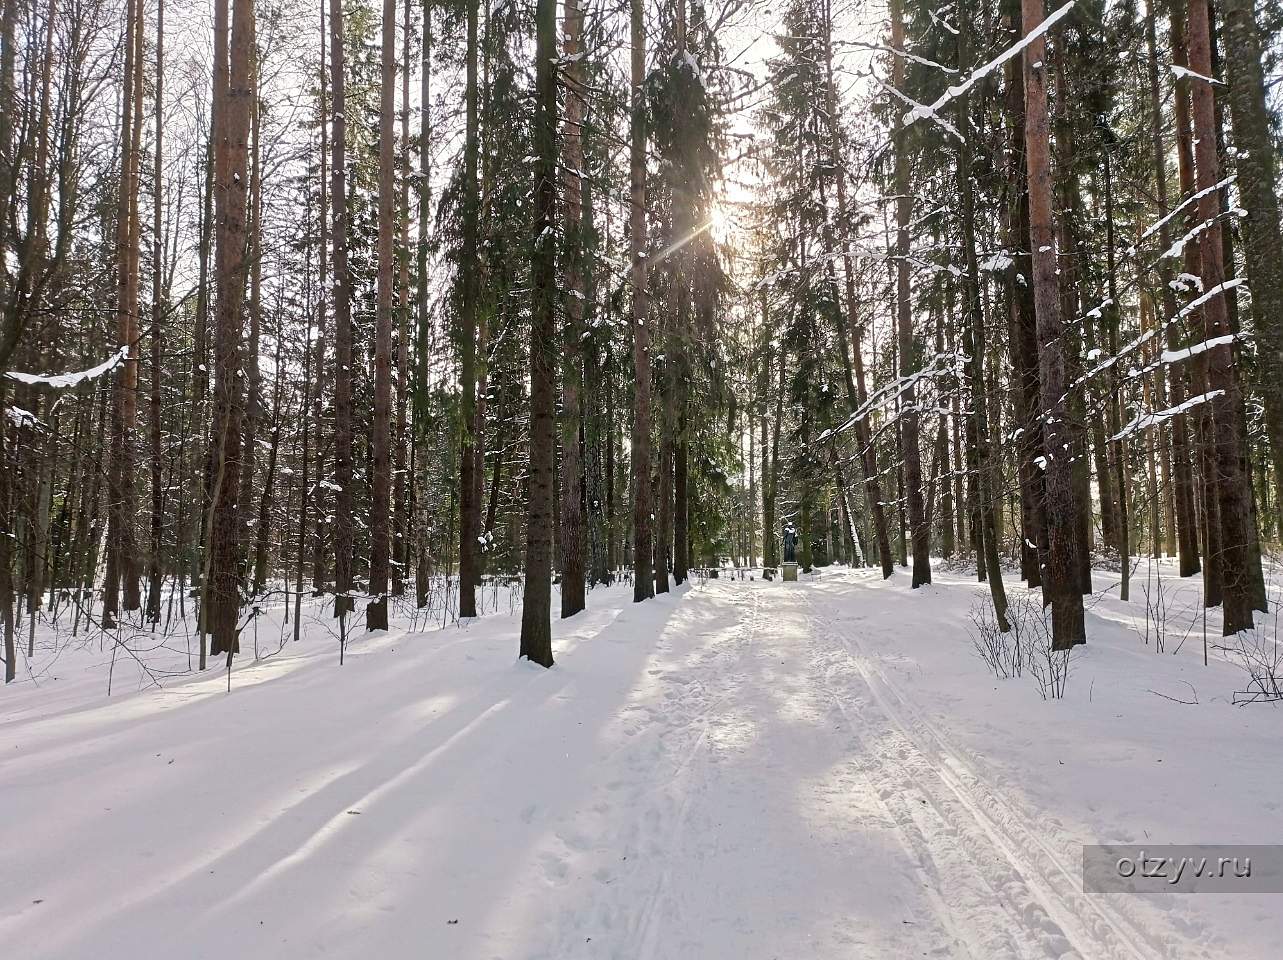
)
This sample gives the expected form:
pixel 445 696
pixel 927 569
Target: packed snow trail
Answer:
pixel 737 770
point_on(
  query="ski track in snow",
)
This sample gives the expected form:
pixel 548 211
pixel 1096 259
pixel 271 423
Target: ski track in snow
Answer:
pixel 1015 893
pixel 729 771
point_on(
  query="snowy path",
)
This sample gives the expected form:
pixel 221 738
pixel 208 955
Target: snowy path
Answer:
pixel 792 803
pixel 741 770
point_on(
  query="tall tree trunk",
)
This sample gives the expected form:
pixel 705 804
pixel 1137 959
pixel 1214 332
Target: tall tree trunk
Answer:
pixel 974 346
pixel 231 149
pixel 122 548
pixel 1112 320
pixel 401 476
pixel 253 413
pixel 469 499
pixel 423 565
pixel 1024 338
pixel 643 540
pixel 1233 491
pixel 1182 471
pixel 920 530
pixel 572 353
pixel 154 570
pixel 198 471
pixel 308 424
pixel 536 612
pixel 1192 263
pixel 376 612
pixel 1061 577
pixel 1263 244
pixel 342 321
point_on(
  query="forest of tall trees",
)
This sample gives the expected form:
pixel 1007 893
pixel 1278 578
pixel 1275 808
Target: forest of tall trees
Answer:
pixel 387 304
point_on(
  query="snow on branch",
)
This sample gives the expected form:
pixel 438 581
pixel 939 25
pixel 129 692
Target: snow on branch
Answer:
pixel 899 53
pixel 60 381
pixel 1175 356
pixel 1144 421
pixel 1018 47
pixel 22 418
pixel 945 124
pixel 1178 247
pixel 941 364
pixel 1193 198
pixel 1167 356
pixel 1182 72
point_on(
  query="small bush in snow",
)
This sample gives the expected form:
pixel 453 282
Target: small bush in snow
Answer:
pixel 1049 668
pixel 1260 653
pixel 1160 617
pixel 1024 649
pixel 1001 652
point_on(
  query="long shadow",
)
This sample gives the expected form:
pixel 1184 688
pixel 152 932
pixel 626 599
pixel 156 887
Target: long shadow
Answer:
pixel 88 724
pixel 358 817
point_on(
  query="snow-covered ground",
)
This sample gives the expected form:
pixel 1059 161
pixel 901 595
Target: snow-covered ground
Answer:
pixel 739 770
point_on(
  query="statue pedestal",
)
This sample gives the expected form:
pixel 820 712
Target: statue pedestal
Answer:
pixel 790 572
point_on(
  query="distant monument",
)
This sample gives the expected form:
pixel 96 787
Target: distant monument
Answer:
pixel 790 553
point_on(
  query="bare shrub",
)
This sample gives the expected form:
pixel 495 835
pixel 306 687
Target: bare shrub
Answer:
pixel 1000 652
pixel 1049 668
pixel 1260 653
pixel 1024 649
pixel 1160 615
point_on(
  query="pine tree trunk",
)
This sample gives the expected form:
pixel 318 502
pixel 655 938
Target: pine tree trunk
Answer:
pixel 572 354
pixel 307 425
pixel 1112 320
pixel 314 497
pixel 198 468
pixel 643 538
pixel 1207 512
pixel 536 606
pixel 1182 472
pixel 343 547
pixel 252 417
pixel 376 612
pixel 469 500
pixel 920 530
pixel 1231 483
pixel 423 564
pixel 154 558
pixel 1061 576
pixel 985 527
pixel 1263 244
pixel 122 548
pixel 1024 324
pixel 231 151
pixel 401 477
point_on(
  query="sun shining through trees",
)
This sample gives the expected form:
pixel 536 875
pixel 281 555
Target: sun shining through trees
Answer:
pixel 909 279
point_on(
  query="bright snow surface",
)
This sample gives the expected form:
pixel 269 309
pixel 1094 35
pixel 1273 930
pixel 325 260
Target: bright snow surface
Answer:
pixel 737 770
